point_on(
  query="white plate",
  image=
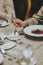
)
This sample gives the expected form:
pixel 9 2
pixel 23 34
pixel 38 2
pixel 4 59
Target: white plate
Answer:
pixel 8 45
pixel 13 37
pixel 28 30
pixel 3 23
pixel 1 58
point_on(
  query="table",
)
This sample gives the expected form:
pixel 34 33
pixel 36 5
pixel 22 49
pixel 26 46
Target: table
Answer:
pixel 37 47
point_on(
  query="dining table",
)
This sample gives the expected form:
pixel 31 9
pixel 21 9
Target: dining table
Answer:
pixel 37 47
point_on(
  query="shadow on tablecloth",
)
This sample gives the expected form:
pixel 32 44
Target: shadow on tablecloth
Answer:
pixel 34 38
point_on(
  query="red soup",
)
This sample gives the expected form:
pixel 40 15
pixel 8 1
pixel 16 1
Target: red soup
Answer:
pixel 37 31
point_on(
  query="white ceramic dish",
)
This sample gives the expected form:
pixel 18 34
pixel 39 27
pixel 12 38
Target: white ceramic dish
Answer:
pixel 3 23
pixel 13 37
pixel 8 45
pixel 28 30
pixel 1 58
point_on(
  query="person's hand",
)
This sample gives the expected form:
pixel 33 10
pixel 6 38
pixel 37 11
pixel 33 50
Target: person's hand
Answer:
pixel 18 22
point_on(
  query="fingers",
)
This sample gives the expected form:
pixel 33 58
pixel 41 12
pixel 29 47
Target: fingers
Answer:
pixel 17 22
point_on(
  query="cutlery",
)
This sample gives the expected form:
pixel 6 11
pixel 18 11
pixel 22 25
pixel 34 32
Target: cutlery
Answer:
pixel 9 57
pixel 6 53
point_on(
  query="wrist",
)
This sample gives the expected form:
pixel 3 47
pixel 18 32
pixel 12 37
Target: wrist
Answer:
pixel 25 23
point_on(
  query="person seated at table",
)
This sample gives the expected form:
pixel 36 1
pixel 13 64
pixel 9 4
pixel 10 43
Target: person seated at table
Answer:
pixel 7 10
pixel 24 9
pixel 35 19
pixel 35 6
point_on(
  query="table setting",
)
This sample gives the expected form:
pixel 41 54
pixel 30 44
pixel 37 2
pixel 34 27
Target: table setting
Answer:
pixel 19 53
pixel 18 49
pixel 13 51
pixel 34 30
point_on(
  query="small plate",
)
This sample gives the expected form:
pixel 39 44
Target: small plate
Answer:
pixel 13 37
pixel 28 30
pixel 1 58
pixel 8 45
pixel 3 23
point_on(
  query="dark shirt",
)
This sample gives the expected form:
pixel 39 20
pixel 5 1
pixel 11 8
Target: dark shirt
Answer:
pixel 20 8
pixel 36 5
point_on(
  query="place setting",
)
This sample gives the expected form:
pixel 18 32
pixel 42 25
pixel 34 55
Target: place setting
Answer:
pixel 34 32
pixel 20 50
pixel 13 36
pixel 27 57
pixel 4 47
pixel 13 39
pixel 3 51
pixel 22 57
